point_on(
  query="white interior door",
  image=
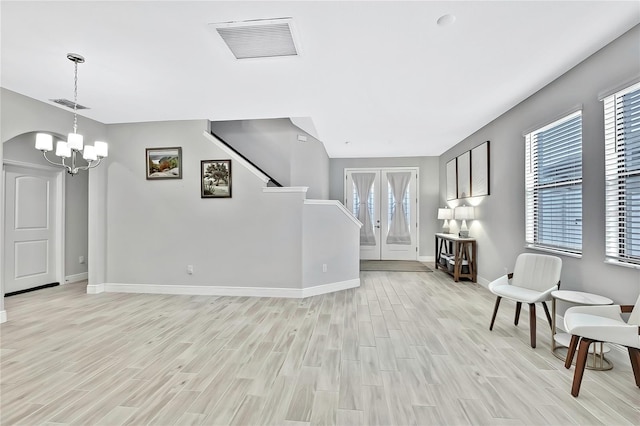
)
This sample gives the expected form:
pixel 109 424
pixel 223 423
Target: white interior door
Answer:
pixel 385 201
pixel 32 234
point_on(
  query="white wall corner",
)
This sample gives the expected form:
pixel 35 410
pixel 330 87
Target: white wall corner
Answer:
pixel 76 277
pixel 95 288
pixel 3 316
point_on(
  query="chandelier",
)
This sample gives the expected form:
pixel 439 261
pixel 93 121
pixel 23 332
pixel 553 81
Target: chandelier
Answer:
pixel 73 148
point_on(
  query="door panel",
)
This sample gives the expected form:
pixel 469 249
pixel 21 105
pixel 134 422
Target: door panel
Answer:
pixel 389 226
pixel 399 226
pixel 30 228
pixel 363 200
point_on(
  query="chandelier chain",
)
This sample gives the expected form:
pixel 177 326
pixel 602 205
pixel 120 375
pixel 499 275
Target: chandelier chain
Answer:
pixel 75 97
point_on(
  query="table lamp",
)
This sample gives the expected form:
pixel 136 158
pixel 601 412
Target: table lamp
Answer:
pixel 446 214
pixel 464 213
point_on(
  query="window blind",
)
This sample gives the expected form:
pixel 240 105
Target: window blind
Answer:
pixel 553 185
pixel 622 175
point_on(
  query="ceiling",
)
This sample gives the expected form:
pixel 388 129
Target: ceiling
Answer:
pixel 375 79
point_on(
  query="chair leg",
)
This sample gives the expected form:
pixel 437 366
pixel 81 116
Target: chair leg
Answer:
pixel 532 323
pixel 546 311
pixel 495 312
pixel 571 351
pixel 634 356
pixel 583 352
pixel 518 308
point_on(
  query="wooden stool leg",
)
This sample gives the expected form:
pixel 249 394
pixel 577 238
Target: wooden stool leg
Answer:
pixel 572 351
pixel 634 356
pixel 532 323
pixel 517 318
pixel 495 311
pixel 583 352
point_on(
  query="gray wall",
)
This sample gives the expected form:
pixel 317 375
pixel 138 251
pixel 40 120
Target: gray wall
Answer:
pixel 272 145
pixel 500 227
pixel 428 184
pixel 157 228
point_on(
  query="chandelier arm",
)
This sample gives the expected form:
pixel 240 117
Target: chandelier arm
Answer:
pixel 90 164
pixel 44 153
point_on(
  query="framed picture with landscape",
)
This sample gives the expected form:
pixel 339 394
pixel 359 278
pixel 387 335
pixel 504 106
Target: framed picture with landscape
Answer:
pixel 164 163
pixel 215 179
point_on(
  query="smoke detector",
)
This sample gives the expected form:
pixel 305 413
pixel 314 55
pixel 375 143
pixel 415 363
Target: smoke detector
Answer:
pixel 260 38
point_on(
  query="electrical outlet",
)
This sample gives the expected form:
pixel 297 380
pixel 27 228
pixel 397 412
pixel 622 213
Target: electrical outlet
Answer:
pixel 81 260
pixel 324 267
pixel 190 269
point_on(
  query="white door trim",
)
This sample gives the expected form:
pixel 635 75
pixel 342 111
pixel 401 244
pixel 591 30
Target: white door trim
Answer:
pixel 60 213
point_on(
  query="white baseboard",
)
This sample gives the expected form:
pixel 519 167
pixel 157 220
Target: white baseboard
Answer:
pixel 426 258
pixel 95 288
pixel 3 316
pixel 76 277
pixel 201 290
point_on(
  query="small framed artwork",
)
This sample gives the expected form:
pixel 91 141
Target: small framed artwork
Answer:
pixel 452 180
pixel 215 179
pixel 164 163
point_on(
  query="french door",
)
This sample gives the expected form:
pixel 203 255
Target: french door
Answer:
pixel 385 201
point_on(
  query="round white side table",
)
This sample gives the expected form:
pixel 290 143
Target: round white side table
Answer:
pixel 596 360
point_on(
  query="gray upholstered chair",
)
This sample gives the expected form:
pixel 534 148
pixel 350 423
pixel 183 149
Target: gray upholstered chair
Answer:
pixel 590 324
pixel 533 279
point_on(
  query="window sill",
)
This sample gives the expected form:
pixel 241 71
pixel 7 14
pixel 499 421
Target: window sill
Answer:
pixel 623 264
pixel 554 251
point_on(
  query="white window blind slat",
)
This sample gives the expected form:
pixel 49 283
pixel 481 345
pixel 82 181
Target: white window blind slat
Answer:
pixel 622 175
pixel 553 185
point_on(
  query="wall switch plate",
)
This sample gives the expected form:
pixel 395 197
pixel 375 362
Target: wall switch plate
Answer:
pixel 324 267
pixel 190 269
pixel 81 260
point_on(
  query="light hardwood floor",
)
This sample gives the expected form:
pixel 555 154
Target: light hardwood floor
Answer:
pixel 403 349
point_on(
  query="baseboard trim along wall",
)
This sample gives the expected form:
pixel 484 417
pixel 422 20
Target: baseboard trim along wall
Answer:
pixel 426 258
pixel 3 316
pixel 76 277
pixel 202 290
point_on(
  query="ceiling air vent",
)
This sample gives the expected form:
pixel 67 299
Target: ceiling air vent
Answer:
pixel 67 103
pixel 258 39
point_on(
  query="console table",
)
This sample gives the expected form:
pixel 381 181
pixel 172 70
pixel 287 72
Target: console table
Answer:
pixel 463 250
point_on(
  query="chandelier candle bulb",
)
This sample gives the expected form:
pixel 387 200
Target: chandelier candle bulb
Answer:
pixel 44 142
pixel 63 150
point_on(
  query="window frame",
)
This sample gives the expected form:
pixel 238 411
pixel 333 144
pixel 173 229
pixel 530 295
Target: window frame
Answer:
pixel 618 221
pixel 539 182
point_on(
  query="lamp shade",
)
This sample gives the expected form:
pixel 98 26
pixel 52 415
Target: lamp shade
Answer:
pixel 89 153
pixel 102 148
pixel 44 142
pixel 464 213
pixel 74 141
pixel 445 214
pixel 63 150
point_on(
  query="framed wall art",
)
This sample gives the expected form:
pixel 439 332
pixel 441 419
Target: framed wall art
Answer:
pixel 480 170
pixel 215 179
pixel 164 163
pixel 464 175
pixel 452 180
